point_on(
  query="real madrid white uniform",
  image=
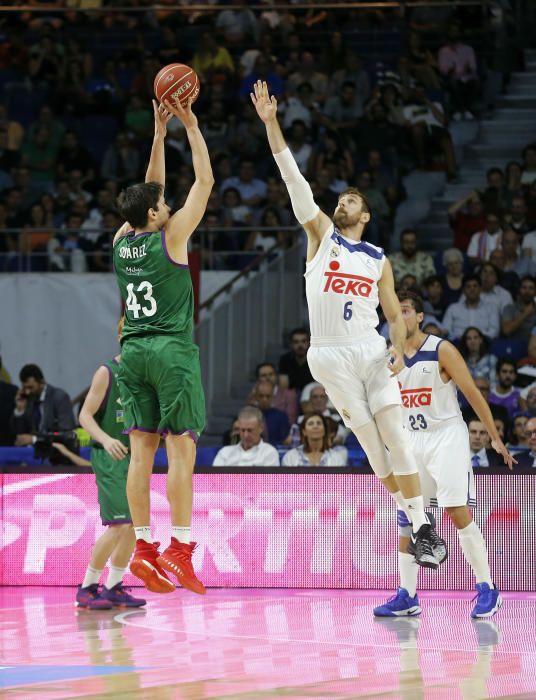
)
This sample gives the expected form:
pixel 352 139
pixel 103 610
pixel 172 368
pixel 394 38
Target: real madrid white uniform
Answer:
pixel 347 354
pixel 438 435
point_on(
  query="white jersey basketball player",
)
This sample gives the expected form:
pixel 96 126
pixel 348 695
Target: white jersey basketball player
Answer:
pixel 440 442
pixel 346 278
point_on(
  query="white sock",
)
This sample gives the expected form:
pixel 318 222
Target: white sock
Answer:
pixel 144 533
pixel 182 534
pixel 475 552
pixel 401 503
pixel 409 570
pixel 115 576
pixel 92 576
pixel 415 506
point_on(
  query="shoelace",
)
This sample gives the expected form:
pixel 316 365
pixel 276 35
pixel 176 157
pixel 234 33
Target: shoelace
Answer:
pixel 394 597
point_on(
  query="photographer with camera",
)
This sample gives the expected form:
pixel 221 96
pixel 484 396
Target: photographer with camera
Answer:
pixel 39 408
pixel 102 416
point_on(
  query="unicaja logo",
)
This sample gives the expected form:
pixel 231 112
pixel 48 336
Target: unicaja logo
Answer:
pixel 342 283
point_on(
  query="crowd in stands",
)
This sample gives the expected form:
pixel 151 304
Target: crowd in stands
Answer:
pixel 364 95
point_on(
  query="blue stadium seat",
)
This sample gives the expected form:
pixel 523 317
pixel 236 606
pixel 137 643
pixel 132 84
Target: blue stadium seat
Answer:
pixel 505 347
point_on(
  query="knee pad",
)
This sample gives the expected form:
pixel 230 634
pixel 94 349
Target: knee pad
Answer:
pixel 404 525
pixel 391 429
pixel 370 440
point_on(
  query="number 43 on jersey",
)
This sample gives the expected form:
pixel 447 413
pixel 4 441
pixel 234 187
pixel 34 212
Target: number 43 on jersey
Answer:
pixel 132 303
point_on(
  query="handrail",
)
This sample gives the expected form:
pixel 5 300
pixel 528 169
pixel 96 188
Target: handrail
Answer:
pixel 246 270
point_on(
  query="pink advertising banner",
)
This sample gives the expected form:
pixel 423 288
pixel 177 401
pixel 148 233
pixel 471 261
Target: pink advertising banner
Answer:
pixel 266 530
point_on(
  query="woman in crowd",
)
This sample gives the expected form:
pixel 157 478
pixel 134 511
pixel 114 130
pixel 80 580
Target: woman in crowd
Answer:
pixel 315 449
pixel 474 350
pixel 452 280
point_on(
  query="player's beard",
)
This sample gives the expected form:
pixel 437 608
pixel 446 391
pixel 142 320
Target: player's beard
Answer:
pixel 342 220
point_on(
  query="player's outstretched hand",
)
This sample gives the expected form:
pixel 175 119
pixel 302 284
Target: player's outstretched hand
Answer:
pixel 396 361
pixel 265 104
pixel 115 448
pixel 161 117
pixel 500 449
pixel 184 114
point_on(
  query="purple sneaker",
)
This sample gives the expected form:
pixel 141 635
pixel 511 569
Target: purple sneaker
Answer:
pixel 118 595
pixel 91 598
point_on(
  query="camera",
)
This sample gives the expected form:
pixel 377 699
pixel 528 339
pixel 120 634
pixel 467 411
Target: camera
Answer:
pixel 43 446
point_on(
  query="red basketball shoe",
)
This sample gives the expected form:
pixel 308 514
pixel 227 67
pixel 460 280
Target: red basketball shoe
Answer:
pixel 177 559
pixel 144 565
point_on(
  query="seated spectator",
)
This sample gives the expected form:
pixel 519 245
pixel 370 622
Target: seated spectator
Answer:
pixel 434 300
pixel 422 63
pixel 299 145
pixel 277 427
pixel 263 69
pixel 452 280
pixel 300 107
pixel 343 112
pixel 484 242
pixel 410 260
pixel 211 61
pixel 315 450
pixel 493 195
pixel 264 240
pixel 39 407
pixel 529 164
pixel 474 350
pixel 238 25
pixel 504 393
pixel 121 161
pixel 234 210
pixel 471 311
pixel 457 65
pixel 251 451
pixel 40 155
pixel 466 217
pixel 308 73
pixel 251 188
pixel 492 292
pixel 8 393
pixel 283 399
pixel 531 206
pixel 528 459
pixel 293 368
pixel 482 455
pixel 354 72
pixel 318 402
pixel 232 435
pixel 518 437
pixel 513 187
pixel 518 319
pixel 516 216
pixel 427 125
pixel 521 265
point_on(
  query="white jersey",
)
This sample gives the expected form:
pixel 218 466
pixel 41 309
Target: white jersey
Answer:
pixel 341 284
pixel 427 401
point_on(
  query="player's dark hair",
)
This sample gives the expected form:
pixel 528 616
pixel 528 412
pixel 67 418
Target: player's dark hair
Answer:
pixel 31 372
pixel 415 299
pixel 365 206
pixel 502 361
pixel 135 201
pixel 261 365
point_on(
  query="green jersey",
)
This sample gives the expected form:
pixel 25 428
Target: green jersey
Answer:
pixel 157 292
pixel 110 417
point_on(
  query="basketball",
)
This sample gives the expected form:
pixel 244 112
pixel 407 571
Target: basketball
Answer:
pixel 176 82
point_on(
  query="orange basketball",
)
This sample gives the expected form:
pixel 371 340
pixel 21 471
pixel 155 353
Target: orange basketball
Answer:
pixel 176 82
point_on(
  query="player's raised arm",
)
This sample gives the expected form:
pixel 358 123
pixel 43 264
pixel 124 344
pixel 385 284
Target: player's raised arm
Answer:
pixel 94 399
pixel 306 211
pixel 183 223
pixel 393 313
pixel 453 363
pixel 156 170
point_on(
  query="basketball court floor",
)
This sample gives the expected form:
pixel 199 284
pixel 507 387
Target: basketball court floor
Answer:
pixel 271 643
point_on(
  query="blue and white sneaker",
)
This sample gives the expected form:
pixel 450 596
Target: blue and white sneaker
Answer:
pixel 488 601
pixel 399 605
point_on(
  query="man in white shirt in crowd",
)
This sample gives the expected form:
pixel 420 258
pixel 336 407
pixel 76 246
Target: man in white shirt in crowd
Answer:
pixel 251 451
pixel 471 310
pixel 483 243
pixel 492 292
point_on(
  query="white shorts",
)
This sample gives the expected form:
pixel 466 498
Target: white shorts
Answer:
pixel 444 463
pixel 356 378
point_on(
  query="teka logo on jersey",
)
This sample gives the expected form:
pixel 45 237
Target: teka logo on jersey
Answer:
pixel 342 283
pixel 413 398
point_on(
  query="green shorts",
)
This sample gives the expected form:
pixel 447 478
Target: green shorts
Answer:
pixel 111 477
pixel 159 381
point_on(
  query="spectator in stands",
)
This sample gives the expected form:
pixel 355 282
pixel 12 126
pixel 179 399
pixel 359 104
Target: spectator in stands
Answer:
pixel 276 198
pixel 466 217
pixel 298 141
pixel 238 25
pixel 315 450
pixel 300 107
pixel 518 437
pixel 234 210
pixel 283 399
pixel 475 351
pixel 8 393
pixel 457 65
pixel 73 156
pixel 354 72
pixel 293 368
pixel 264 240
pixel 521 265
pixel 308 73
pixel 518 319
pixel 232 435
pixel 14 132
pixel 492 292
pixel 332 149
pixel 531 206
pixel 318 402
pixel 516 216
pixel 211 61
pixel 422 63
pixel 434 299
pixel 343 112
pixel 39 407
pixel 493 196
pixel 121 161
pixel 482 455
pixel 39 155
pixel 529 164
pixel 528 459
pixel 251 188
pixel 263 69
pixel 471 311
pixel 513 186
pixel 484 242
pixel 410 259
pixel 452 280
pixel 277 426
pixel 504 393
pixel 251 451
